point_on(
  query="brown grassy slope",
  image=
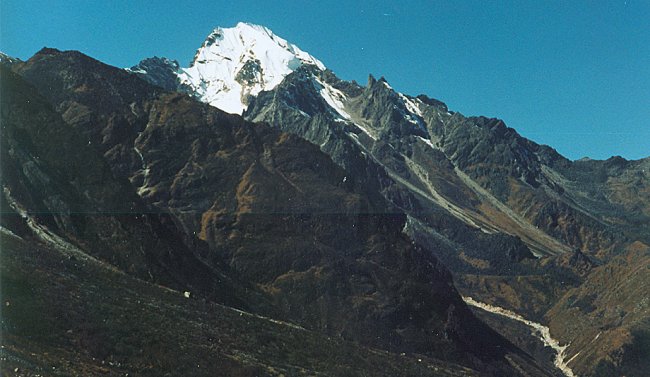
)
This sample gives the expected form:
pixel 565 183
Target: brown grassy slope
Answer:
pixel 607 318
pixel 66 315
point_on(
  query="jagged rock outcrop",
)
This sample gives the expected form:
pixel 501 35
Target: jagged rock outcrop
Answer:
pixel 158 71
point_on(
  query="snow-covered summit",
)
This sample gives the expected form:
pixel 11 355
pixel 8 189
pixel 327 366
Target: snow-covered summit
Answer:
pixel 236 63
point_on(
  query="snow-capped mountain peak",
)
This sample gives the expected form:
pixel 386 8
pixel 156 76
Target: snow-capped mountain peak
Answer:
pixel 8 60
pixel 236 63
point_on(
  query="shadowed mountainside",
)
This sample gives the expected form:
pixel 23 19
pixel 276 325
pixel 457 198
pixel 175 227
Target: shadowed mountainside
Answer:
pixel 329 254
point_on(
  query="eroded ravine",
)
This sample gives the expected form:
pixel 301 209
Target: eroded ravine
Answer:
pixel 538 330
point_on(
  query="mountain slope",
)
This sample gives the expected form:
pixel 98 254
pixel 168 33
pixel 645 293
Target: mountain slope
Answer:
pixel 161 72
pixel 66 316
pixel 607 319
pixel 514 186
pixel 477 194
pixel 74 242
pixel 329 253
pixel 69 195
pixel 7 60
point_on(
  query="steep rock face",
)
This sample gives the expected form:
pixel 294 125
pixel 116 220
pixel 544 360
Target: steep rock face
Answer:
pixel 506 182
pixel 298 107
pixel 332 257
pixel 318 106
pixel 570 203
pixel 58 188
pixel 514 186
pixel 614 193
pixel 161 72
pixel 398 162
pixel 116 108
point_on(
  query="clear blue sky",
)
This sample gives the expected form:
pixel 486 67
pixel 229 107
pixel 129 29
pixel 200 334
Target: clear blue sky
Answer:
pixel 571 74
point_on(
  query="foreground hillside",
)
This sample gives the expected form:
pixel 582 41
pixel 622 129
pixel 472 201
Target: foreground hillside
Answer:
pixel 67 314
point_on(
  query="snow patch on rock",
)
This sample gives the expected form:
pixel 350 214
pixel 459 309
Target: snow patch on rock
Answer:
pixel 334 98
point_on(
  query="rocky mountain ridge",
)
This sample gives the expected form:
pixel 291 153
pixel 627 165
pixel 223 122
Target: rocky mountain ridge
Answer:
pixel 377 112
pixel 468 184
pixel 356 276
